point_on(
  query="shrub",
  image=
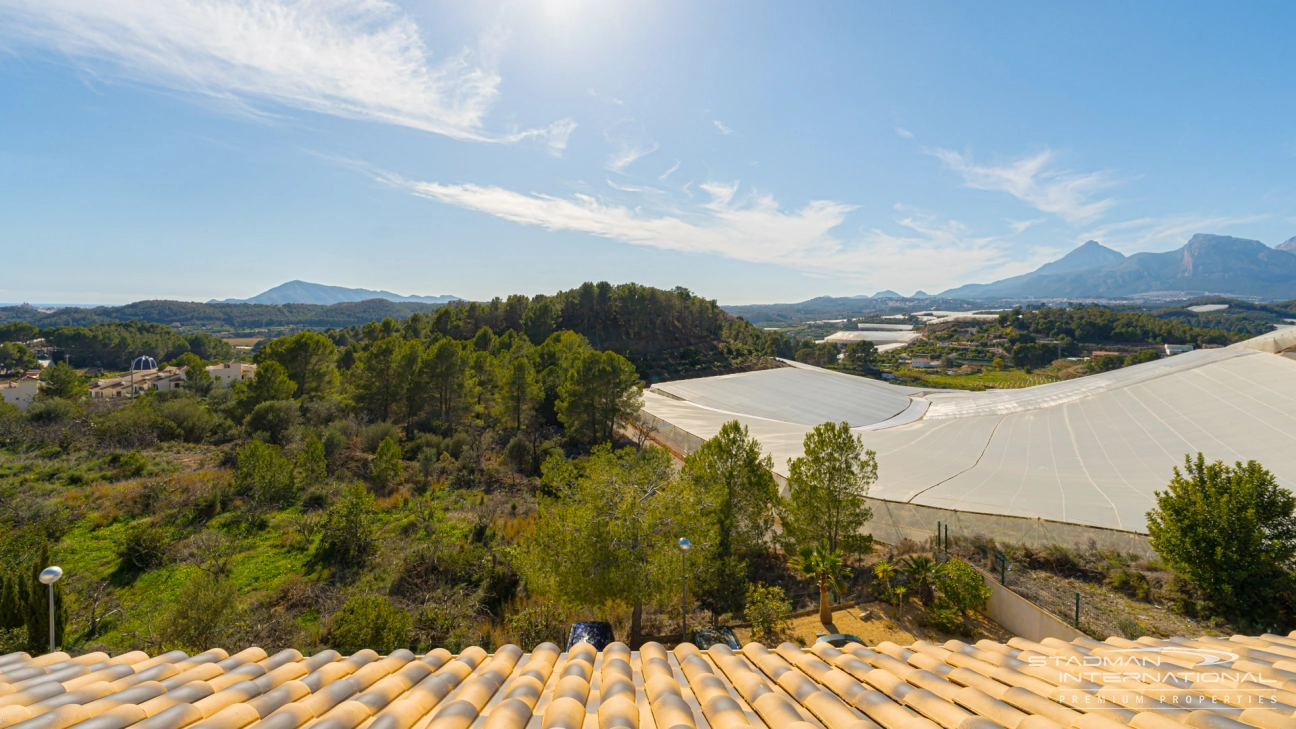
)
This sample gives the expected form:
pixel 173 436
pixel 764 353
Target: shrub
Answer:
pixel 386 470
pixel 129 465
pixel 264 476
pixel 372 436
pixel 1231 532
pixel 348 535
pixel 543 623
pixel 944 616
pixel 961 587
pixel 449 618
pixel 190 417
pixel 12 640
pixel 1129 582
pixel 766 609
pixel 53 411
pixel 275 420
pixel 369 621
pixel 1130 628
pixel 143 547
pixel 201 614
pixel 136 426
pixel 1141 356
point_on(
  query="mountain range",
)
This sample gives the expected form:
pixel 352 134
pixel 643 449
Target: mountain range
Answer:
pixel 1206 265
pixel 304 292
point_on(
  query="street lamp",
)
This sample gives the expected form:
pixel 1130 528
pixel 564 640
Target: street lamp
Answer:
pixel 684 546
pixel 49 576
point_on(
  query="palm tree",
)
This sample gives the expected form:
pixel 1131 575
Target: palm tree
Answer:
pixel 885 572
pixel 823 564
pixel 921 571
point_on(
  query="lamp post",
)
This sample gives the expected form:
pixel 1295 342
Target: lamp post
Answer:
pixel 49 576
pixel 684 546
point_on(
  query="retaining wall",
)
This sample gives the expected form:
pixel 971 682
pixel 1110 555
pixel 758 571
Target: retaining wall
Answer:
pixel 1022 617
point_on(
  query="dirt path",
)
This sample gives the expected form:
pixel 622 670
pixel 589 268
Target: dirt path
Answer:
pixel 881 622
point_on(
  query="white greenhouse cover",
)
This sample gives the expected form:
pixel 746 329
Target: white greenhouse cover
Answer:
pixel 1090 451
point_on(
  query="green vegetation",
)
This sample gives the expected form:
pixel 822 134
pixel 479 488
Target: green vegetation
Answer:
pixel 16 358
pixel 959 588
pixel 1029 346
pixel 1230 531
pixel 828 486
pixel 113 346
pixel 823 565
pixel 766 608
pixel 737 479
pixel 409 482
pixel 216 316
pixel 609 531
pixel 370 621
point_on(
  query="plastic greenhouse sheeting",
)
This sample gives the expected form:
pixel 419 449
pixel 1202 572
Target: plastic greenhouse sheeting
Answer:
pixel 1090 451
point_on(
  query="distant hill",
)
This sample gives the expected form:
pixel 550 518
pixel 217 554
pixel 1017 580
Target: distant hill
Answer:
pixel 1289 245
pixel 1091 255
pixel 1206 265
pixel 231 316
pixel 834 307
pixel 304 292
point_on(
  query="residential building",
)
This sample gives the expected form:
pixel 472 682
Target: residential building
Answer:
pixel 227 373
pixel 21 391
pixel 169 378
pixel 133 383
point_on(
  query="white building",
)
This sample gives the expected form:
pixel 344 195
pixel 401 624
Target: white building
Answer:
pixel 1171 349
pixel 227 373
pixel 169 378
pixel 20 392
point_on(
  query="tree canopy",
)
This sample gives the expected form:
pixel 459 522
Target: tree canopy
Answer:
pixel 827 491
pixel 1230 531
pixel 611 529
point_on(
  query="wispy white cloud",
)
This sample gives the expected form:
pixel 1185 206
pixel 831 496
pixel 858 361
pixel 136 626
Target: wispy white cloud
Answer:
pixel 926 252
pixel 1033 180
pixel 627 153
pixel 358 59
pixel 633 188
pixel 662 177
pixel 1020 226
pixel 1161 233
pixel 723 129
pixel 904 133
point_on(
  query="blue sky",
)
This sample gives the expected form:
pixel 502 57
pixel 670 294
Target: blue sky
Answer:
pixel 751 151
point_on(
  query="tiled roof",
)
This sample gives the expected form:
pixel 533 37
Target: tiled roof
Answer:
pixel 1208 683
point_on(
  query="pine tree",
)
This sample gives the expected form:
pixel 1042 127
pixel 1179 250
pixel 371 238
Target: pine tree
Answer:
pixel 10 617
pixel 312 466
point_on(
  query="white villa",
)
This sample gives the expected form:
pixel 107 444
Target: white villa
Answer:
pixel 170 378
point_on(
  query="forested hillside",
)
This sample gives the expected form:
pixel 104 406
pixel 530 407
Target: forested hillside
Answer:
pixel 375 486
pixel 666 334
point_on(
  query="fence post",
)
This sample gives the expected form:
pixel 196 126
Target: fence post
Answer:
pixel 938 535
pixel 1077 614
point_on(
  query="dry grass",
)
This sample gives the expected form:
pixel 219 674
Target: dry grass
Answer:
pixel 876 622
pixel 1102 608
pixel 242 341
